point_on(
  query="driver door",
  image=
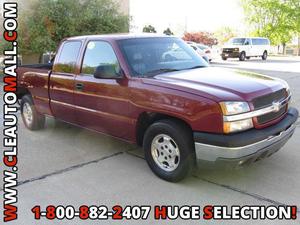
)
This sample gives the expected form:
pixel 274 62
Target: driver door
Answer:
pixel 102 102
pixel 250 51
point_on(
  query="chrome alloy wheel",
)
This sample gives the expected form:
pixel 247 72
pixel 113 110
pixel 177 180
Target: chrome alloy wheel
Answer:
pixel 165 152
pixel 27 113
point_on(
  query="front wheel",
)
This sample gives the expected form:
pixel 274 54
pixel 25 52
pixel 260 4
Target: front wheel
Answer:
pixel 242 56
pixel 265 55
pixel 31 118
pixel 169 150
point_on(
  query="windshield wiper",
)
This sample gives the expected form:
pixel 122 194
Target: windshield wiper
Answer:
pixel 194 67
pixel 159 71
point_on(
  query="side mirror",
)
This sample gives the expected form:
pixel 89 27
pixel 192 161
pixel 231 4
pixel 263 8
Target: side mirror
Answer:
pixel 107 72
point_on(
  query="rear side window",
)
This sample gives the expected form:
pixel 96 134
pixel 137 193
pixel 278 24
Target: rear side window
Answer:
pixel 99 55
pixel 260 41
pixel 67 60
pixel 265 41
pixel 256 41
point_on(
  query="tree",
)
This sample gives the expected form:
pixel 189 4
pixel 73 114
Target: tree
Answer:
pixel 201 37
pixel 224 34
pixel 47 22
pixel 168 32
pixel 295 17
pixel 276 19
pixel 149 29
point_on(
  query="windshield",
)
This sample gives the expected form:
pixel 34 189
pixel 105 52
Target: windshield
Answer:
pixel 151 56
pixel 237 41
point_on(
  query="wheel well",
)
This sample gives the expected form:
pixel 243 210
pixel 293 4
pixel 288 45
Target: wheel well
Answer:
pixel 21 92
pixel 147 118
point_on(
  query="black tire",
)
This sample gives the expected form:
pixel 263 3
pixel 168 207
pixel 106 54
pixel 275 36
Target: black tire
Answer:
pixel 224 58
pixel 265 55
pixel 182 137
pixel 37 120
pixel 242 56
pixel 247 57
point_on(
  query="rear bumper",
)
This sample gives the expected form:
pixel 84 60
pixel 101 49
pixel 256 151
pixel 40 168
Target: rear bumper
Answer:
pixel 245 146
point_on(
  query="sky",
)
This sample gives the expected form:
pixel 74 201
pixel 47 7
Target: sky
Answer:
pixel 190 15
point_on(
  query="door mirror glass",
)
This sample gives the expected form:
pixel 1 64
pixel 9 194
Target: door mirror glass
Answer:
pixel 107 72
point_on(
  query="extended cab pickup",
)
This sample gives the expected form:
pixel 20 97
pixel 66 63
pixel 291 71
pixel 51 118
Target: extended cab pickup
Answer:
pixel 177 107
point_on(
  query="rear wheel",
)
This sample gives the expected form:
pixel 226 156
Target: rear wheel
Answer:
pixel 224 58
pixel 265 55
pixel 31 118
pixel 169 150
pixel 242 56
pixel 247 57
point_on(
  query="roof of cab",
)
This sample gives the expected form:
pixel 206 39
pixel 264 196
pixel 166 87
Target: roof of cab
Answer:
pixel 116 36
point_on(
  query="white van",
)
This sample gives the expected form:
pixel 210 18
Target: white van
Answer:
pixel 246 47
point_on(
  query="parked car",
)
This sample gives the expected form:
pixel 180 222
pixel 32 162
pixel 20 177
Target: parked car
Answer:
pixel 175 54
pixel 244 48
pixel 199 51
pixel 179 110
pixel 206 49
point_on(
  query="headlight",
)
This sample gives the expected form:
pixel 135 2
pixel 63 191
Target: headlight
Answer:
pixel 232 108
pixel 236 126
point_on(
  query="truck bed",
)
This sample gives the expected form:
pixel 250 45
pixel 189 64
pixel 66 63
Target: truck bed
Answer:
pixel 39 75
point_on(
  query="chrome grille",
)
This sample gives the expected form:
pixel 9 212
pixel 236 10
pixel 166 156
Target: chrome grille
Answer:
pixel 267 100
pixel 270 116
pixel 228 50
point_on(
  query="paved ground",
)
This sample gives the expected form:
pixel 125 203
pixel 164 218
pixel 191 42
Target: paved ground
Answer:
pixel 71 166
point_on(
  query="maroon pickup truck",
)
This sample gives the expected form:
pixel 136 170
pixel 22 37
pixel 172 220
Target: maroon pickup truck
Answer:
pixel 157 92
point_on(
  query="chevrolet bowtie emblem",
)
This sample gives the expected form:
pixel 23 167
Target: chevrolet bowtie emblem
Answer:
pixel 276 106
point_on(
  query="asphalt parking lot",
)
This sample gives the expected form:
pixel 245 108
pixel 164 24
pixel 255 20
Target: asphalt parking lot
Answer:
pixel 66 165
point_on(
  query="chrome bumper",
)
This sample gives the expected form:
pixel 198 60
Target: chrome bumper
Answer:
pixel 262 148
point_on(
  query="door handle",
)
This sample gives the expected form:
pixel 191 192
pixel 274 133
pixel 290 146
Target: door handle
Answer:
pixel 79 86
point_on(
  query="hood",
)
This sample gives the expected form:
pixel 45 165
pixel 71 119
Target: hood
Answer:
pixel 232 46
pixel 219 84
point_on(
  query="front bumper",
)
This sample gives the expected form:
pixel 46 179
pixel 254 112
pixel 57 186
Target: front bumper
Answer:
pixel 246 146
pixel 230 54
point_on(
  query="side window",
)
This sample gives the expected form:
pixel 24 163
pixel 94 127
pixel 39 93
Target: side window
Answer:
pixel 265 42
pixel 67 60
pixel 247 42
pixel 100 59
